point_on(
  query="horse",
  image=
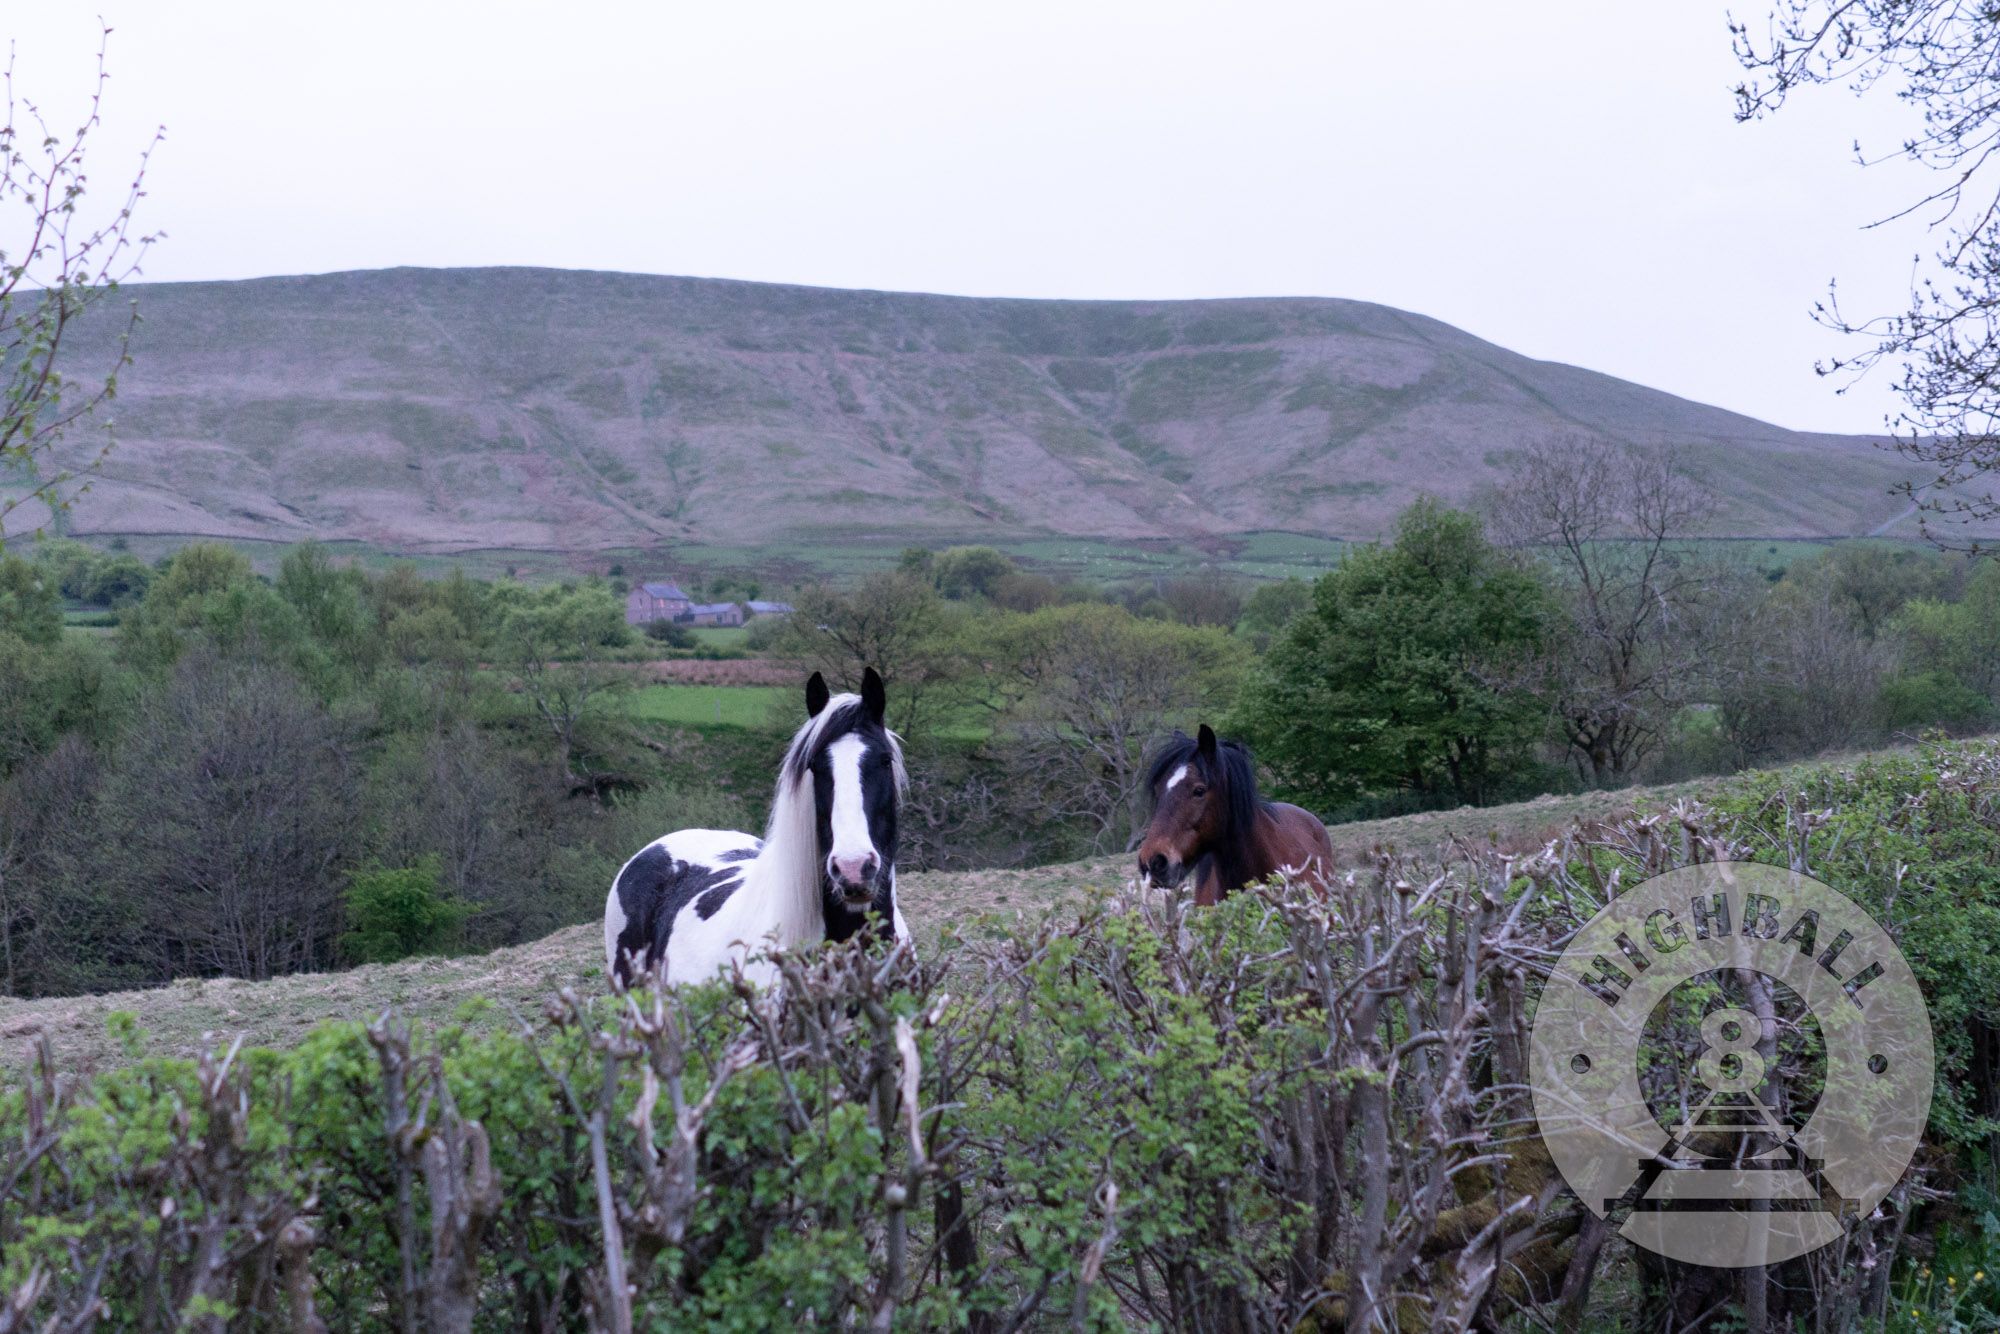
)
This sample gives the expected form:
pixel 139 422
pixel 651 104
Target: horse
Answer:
pixel 1209 820
pixel 699 900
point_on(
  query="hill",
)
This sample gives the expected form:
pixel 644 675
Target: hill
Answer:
pixel 442 410
pixel 182 1017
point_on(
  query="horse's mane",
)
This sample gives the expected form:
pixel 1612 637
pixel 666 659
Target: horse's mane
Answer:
pixel 787 868
pixel 1235 771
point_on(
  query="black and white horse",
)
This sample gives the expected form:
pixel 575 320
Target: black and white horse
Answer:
pixel 825 869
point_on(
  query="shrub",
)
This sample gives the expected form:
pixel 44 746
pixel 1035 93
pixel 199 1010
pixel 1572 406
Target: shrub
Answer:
pixel 119 580
pixel 1931 699
pixel 393 914
pixel 1104 1124
pixel 670 634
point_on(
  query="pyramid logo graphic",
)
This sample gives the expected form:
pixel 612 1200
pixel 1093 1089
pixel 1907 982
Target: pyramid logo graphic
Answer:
pixel 1747 1154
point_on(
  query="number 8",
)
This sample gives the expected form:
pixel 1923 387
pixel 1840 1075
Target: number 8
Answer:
pixel 1742 1044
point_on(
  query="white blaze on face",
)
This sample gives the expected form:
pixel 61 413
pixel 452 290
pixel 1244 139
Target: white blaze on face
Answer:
pixel 852 845
pixel 1179 774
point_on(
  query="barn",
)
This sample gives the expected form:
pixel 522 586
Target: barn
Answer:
pixel 713 613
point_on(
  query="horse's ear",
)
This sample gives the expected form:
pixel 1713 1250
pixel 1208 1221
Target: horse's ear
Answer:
pixel 1205 742
pixel 874 700
pixel 816 695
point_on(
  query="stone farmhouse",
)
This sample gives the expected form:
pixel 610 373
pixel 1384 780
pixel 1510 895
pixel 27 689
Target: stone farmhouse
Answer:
pixel 669 602
pixel 656 602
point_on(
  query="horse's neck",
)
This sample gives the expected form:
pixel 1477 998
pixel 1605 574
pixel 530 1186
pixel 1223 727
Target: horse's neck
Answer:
pixel 783 882
pixel 1252 860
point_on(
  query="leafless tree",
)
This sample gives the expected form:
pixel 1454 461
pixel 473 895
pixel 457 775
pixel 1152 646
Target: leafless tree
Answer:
pixel 1938 56
pixel 1612 520
pixel 1208 598
pixel 45 814
pixel 57 260
pixel 1799 673
pixel 228 818
pixel 893 622
pixel 1087 689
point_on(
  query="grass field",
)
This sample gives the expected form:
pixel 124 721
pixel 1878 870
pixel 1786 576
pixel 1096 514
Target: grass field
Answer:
pixel 782 565
pixel 727 706
pixel 721 636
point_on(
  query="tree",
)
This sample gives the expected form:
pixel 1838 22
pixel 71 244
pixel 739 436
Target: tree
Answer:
pixel 963 572
pixel 893 622
pixel 1799 673
pixel 1612 520
pixel 1959 640
pixel 1938 56
pixel 49 690
pixel 330 598
pixel 1087 689
pixel 1388 682
pixel 208 594
pixel 556 638
pixel 48 930
pixel 1272 607
pixel 29 605
pixel 1872 583
pixel 56 262
pixel 227 814
pixel 1209 598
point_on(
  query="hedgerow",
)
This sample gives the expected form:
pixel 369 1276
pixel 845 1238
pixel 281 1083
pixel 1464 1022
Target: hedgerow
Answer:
pixel 1294 1112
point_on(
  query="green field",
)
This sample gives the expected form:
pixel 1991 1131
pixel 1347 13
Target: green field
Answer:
pixel 782 566
pixel 721 636
pixel 712 706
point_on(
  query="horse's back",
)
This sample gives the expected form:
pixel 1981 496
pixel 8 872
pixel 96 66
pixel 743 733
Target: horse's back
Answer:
pixel 1303 841
pixel 690 873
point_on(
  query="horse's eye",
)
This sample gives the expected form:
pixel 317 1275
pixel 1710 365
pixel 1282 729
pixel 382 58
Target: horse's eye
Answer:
pixel 1200 791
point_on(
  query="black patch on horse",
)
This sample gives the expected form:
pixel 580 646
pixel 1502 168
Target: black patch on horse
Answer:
pixel 740 854
pixel 652 890
pixel 1232 768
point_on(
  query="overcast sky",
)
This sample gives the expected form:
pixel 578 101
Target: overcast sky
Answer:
pixel 1563 178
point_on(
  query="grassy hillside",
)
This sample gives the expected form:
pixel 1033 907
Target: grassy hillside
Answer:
pixel 181 1018
pixel 542 410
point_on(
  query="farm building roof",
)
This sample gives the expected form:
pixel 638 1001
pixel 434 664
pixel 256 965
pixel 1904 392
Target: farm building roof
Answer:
pixel 771 608
pixel 713 608
pixel 671 592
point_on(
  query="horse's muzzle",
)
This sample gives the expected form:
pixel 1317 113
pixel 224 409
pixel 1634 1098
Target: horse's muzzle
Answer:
pixel 1163 872
pixel 854 880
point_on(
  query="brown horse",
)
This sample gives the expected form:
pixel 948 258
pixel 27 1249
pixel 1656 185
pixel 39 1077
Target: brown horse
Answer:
pixel 1208 819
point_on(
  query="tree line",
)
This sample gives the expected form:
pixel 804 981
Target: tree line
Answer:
pixel 219 784
pixel 1568 629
